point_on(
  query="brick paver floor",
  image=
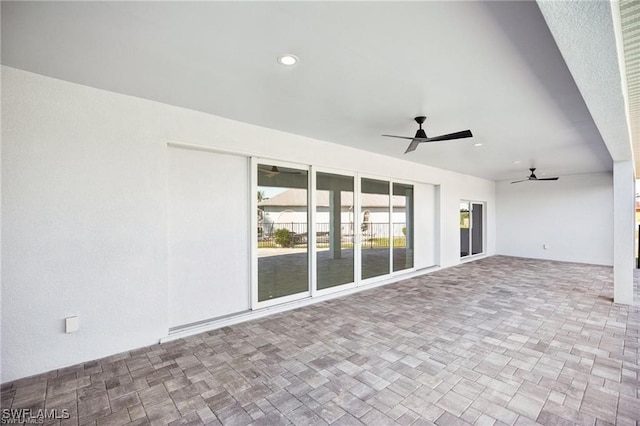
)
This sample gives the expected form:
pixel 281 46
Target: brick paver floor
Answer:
pixel 497 341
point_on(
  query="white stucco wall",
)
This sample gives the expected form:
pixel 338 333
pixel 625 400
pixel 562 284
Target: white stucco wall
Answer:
pixel 84 212
pixel 572 216
pixel 208 256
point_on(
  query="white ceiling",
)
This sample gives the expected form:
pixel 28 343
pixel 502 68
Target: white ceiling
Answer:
pixel 366 68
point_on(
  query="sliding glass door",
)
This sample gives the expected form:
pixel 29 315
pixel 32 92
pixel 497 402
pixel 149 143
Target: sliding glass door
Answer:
pixel 374 229
pixel 334 230
pixel 320 231
pixel 402 226
pixel 282 234
pixel 471 228
pixel 465 222
pixel 477 242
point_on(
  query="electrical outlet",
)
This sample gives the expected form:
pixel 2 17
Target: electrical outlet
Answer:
pixel 72 324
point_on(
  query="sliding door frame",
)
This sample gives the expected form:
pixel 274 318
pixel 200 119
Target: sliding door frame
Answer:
pixel 484 229
pixel 312 283
pixel 413 218
pixel 356 223
pixel 255 303
pixel 359 280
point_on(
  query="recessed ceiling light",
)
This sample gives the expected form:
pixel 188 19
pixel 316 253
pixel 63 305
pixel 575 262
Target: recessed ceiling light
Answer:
pixel 516 162
pixel 288 60
pixel 477 144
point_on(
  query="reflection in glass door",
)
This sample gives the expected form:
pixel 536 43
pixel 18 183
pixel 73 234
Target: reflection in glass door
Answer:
pixel 282 231
pixel 374 231
pixel 402 226
pixel 334 230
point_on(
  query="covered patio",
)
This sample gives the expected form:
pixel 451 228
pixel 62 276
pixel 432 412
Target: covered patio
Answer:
pixel 502 340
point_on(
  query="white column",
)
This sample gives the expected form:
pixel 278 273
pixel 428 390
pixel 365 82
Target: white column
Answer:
pixel 624 224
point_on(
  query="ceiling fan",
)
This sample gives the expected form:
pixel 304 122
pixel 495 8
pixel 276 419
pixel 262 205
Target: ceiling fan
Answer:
pixel 534 177
pixel 421 136
pixel 274 171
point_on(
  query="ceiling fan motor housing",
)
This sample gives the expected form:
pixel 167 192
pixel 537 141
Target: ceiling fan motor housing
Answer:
pixel 420 133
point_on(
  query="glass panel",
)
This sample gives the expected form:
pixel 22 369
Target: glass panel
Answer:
pixel 374 204
pixel 476 229
pixel 464 229
pixel 334 229
pixel 402 226
pixel 282 232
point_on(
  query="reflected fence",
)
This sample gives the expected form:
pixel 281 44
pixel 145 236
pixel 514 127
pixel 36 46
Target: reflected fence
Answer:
pixel 294 234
